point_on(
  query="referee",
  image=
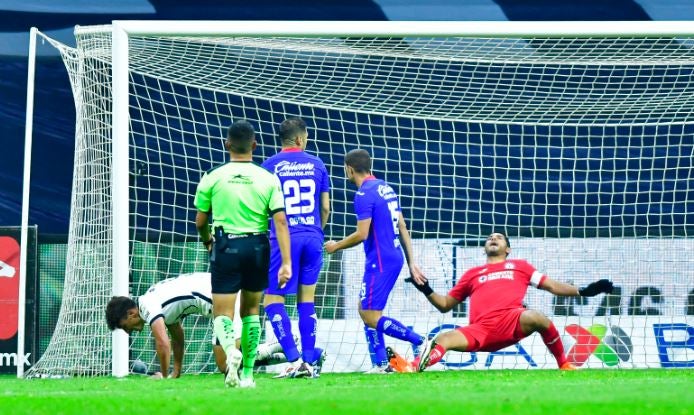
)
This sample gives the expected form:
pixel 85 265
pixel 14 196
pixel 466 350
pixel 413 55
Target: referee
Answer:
pixel 241 195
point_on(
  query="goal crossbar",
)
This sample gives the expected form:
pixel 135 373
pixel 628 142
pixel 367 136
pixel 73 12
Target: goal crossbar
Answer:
pixel 405 28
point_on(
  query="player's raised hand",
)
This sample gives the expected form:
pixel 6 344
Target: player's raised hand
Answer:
pixel 330 247
pixel 284 274
pixel 595 288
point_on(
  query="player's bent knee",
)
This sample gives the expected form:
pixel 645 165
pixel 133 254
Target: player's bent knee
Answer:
pixel 452 340
pixel 532 321
pixel 370 317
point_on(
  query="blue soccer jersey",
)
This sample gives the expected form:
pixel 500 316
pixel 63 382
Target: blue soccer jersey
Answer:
pixel 376 200
pixel 303 178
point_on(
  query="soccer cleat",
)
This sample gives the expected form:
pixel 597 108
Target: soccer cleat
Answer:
pixel 398 362
pixel 231 378
pixel 304 370
pixel 286 373
pixel 424 355
pixel 318 364
pixel 568 366
pixel 380 370
pixel 247 383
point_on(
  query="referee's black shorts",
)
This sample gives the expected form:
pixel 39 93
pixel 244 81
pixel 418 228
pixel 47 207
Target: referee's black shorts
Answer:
pixel 240 262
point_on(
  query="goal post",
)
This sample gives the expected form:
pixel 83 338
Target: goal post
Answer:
pixel 575 138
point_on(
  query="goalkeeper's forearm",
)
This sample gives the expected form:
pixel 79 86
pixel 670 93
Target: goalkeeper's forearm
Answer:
pixel 441 302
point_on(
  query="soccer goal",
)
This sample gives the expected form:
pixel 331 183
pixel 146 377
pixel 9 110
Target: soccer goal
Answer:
pixel 574 138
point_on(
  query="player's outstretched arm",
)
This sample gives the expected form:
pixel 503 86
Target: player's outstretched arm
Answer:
pixel 595 288
pixel 443 303
pixel 353 239
pixel 568 290
pixel 406 242
pixel 162 346
pixel 177 339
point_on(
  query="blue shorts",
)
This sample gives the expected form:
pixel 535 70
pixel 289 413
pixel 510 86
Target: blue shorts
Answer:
pixel 307 260
pixel 376 287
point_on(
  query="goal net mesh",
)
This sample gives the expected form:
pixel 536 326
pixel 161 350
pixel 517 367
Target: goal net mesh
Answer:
pixel 580 149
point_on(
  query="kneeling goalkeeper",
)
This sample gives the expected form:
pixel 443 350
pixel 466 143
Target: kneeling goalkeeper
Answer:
pixel 497 316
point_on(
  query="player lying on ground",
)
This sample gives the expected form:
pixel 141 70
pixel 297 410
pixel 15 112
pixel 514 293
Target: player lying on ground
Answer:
pixel 497 316
pixel 164 306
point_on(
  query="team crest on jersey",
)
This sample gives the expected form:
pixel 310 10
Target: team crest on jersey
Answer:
pixel 386 191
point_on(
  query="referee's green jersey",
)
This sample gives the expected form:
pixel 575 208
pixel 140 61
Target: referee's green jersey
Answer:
pixel 241 196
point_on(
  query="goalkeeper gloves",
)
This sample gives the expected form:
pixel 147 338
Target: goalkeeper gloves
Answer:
pixel 424 289
pixel 595 288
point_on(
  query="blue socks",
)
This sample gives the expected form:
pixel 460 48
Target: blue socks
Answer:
pixel 377 348
pixel 282 326
pixel 394 328
pixel 308 322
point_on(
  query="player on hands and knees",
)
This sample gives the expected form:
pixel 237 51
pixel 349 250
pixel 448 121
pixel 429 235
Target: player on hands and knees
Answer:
pixel 306 186
pixel 163 307
pixel 497 316
pixel 381 226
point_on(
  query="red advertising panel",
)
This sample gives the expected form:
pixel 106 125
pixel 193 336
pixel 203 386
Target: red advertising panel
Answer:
pixel 9 298
pixel 9 286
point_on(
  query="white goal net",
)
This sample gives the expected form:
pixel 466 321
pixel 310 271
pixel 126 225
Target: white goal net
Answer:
pixel 580 148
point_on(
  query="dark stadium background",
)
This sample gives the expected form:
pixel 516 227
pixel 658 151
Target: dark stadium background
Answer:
pixel 54 111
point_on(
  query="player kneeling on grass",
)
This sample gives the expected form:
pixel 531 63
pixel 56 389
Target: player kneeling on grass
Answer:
pixel 163 307
pixel 497 316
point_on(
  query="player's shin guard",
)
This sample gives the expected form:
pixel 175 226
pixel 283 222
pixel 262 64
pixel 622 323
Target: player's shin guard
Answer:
pixel 223 328
pixel 282 327
pixel 249 339
pixel 553 342
pixel 308 321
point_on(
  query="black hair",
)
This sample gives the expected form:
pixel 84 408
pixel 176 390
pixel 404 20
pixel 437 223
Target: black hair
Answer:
pixel 290 128
pixel 359 160
pixel 508 243
pixel 117 309
pixel 240 137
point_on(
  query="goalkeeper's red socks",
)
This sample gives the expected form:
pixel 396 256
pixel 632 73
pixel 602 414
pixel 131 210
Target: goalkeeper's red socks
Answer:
pixel 553 342
pixel 435 356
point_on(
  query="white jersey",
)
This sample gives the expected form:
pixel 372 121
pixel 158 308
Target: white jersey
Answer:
pixel 175 298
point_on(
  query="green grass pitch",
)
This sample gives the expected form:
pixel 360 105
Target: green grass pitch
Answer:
pixel 584 392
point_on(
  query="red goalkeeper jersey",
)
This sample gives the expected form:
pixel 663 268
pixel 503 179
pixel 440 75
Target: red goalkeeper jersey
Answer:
pixel 495 288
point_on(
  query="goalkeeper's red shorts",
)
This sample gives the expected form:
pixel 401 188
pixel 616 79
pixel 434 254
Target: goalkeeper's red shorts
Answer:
pixel 495 333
